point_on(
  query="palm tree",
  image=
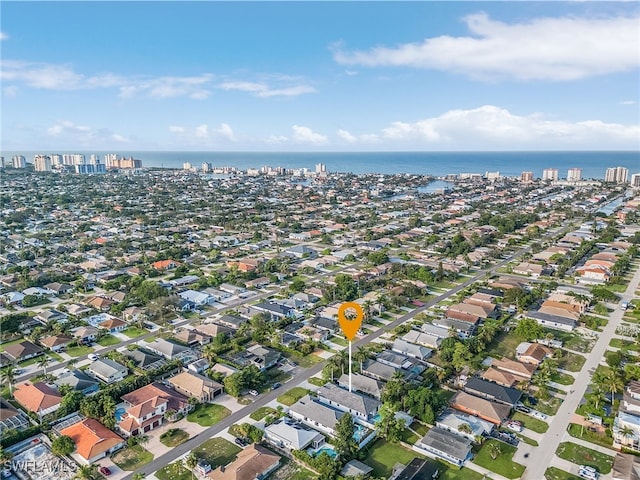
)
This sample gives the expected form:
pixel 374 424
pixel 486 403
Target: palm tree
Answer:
pixel 43 362
pixel 597 396
pixel 191 461
pixel 494 449
pixel 208 352
pixel 360 356
pixel 465 428
pixel 613 383
pixel 626 432
pixel 87 472
pixel 9 376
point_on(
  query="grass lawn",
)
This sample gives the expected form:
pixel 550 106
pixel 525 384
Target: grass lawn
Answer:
pixel 55 356
pixel 132 458
pixel 504 345
pixel 571 362
pixel 339 341
pixel 262 412
pixel 503 464
pixel 527 440
pixel 550 406
pixel 207 414
pixel 318 382
pixel 306 361
pixel 108 340
pixel 554 473
pixel 409 437
pixel 449 472
pixel 382 456
pixel 78 350
pixel 562 378
pixel 174 471
pixel 589 436
pixel 572 341
pixel 133 332
pixel 585 456
pixel 217 451
pixel 174 437
pixel 292 396
pixel 624 344
pixel 531 423
pixel 420 428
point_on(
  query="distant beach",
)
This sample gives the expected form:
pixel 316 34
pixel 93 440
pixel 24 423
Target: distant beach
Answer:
pixel 593 164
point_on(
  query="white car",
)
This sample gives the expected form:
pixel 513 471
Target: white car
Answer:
pixel 93 356
pixel 586 471
pixel 254 393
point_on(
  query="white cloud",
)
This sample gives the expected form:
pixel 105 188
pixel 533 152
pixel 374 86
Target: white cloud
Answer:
pixel 11 91
pixel 494 127
pixel 4 36
pixel 628 102
pixel 204 134
pixel 349 138
pixel 302 134
pixel 564 48
pixel 346 136
pixel 276 139
pixel 265 91
pixel 70 133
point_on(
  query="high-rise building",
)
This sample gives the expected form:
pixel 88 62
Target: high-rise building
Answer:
pixel 526 177
pixel 493 176
pixel 635 180
pixel 113 161
pixel 19 161
pixel 616 175
pixel 94 166
pixel 186 166
pixel 42 163
pixel 574 174
pixel 56 159
pixel 206 167
pixel 550 174
pixel 321 168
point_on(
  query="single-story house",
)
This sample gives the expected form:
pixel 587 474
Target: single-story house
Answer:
pixel 486 409
pixel 78 380
pixel 254 462
pixel 38 398
pixel 493 391
pixel 107 370
pixel 310 411
pixel 93 440
pixel 292 437
pixel 446 445
pixel 197 386
pixel 358 405
pixel 56 343
pixel 18 352
pixel 362 384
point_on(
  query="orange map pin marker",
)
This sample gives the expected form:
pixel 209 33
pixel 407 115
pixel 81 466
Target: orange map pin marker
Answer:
pixel 350 326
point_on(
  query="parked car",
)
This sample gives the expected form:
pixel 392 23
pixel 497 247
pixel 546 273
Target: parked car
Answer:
pixel 514 425
pixel 104 471
pixel 586 471
pixel 241 442
pixel 93 356
pixel 276 385
pixel 254 393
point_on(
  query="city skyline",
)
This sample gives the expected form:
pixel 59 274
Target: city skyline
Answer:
pixel 320 76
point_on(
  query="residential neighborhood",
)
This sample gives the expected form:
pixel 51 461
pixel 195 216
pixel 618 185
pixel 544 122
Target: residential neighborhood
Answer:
pixel 174 325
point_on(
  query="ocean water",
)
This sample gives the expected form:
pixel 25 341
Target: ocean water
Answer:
pixel 592 163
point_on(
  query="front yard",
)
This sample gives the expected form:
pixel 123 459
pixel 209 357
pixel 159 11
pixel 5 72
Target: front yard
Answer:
pixel 585 456
pixel 554 473
pixel 382 456
pixel 132 458
pixel 174 437
pixel 133 332
pixel 292 396
pixel 217 451
pixel 207 414
pixel 108 340
pixel 503 463
pixel 531 423
pixel 78 350
pixel 262 412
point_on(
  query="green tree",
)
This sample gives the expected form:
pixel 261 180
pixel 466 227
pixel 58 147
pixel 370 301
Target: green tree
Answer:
pixel 388 426
pixel 528 329
pixel 494 449
pixel 63 445
pixel 345 445
pixel 8 377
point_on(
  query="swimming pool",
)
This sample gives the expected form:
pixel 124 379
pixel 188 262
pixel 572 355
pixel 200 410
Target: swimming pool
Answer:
pixel 326 449
pixel 119 413
pixel 359 433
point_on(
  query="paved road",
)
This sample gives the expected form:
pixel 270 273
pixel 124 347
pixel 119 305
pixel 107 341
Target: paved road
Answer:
pixel 230 306
pixel 300 377
pixel 543 456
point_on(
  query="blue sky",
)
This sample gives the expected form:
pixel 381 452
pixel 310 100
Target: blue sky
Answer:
pixel 320 76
